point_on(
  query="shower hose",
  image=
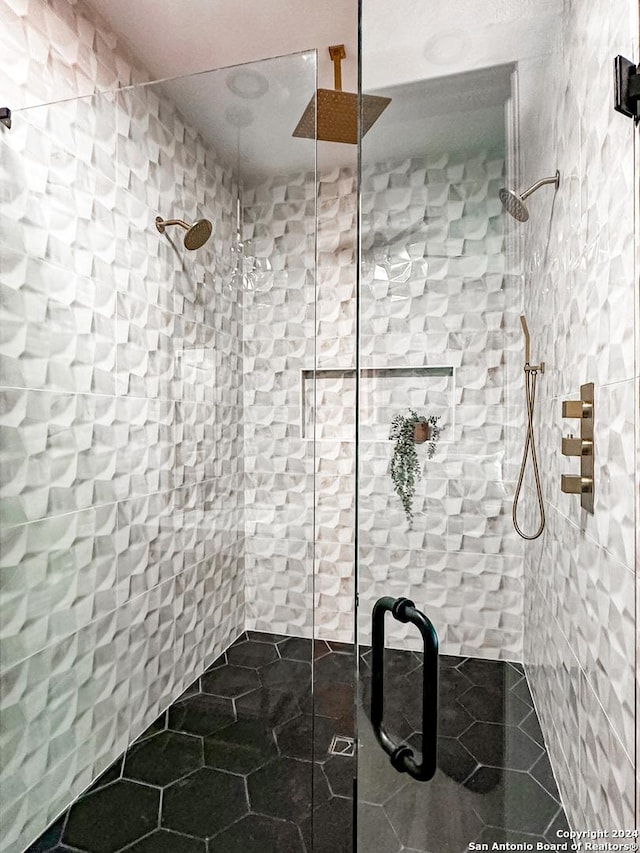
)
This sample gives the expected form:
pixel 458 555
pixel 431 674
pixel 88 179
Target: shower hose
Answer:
pixel 531 378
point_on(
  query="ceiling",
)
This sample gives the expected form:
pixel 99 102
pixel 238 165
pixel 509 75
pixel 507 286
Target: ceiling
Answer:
pixel 448 74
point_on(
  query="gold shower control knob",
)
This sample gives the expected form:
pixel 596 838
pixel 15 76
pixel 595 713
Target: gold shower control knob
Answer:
pixel 572 484
pixel 577 409
pixel 576 446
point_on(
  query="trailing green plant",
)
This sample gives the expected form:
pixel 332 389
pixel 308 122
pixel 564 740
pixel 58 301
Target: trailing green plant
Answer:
pixel 405 465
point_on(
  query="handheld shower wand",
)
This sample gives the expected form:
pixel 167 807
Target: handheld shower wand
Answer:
pixel 531 376
pixel 527 349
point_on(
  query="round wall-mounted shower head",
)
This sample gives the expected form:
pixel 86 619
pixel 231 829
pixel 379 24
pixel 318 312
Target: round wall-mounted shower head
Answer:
pixel 514 205
pixel 513 202
pixel 197 234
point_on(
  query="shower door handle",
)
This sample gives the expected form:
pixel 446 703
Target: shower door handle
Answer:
pixel 402 756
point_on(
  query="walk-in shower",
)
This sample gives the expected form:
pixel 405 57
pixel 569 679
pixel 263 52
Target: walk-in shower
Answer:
pixel 222 630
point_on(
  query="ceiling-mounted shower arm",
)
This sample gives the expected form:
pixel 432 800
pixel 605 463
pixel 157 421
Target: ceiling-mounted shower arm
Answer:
pixel 336 116
pixel 337 53
pixel 541 183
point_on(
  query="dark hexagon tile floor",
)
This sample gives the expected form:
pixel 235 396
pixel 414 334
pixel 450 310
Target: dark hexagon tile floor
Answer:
pixel 233 765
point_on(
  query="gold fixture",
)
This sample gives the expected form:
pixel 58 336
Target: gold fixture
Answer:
pixel 332 115
pixel 572 484
pixel 530 379
pixel 197 234
pixel 573 409
pixel 581 484
pixel 576 446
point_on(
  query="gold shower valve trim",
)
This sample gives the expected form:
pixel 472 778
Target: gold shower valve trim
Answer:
pixel 576 409
pixel 583 447
pixel 576 446
pixel 573 484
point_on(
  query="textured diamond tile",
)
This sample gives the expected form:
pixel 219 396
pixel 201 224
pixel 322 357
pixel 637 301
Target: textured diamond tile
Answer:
pixel 58 575
pixel 434 290
pixel 76 235
pixel 583 320
pixel 58 453
pixel 610 796
pixel 59 329
pixel 85 678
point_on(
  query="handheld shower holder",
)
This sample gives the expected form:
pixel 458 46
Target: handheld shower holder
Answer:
pixel 531 377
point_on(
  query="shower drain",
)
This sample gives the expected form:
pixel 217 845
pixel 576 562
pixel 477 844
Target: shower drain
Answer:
pixel 342 745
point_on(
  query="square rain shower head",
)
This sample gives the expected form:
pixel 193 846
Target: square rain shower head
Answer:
pixel 332 115
pixel 337 116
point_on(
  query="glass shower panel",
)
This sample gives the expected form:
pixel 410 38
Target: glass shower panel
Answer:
pixel 537 667
pixel 157 539
pixel 436 548
pixel 58 576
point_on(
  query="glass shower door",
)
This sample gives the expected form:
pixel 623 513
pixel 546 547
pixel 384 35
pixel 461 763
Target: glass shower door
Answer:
pixel 537 702
pixel 450 752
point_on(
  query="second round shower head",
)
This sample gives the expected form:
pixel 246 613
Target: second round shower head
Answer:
pixel 197 234
pixel 513 202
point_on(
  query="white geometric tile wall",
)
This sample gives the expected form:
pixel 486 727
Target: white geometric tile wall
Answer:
pixel 579 252
pixel 435 292
pixel 58 49
pixel 121 553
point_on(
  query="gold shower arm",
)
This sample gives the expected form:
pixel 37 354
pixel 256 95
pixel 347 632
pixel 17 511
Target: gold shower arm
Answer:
pixel 337 53
pixel 162 223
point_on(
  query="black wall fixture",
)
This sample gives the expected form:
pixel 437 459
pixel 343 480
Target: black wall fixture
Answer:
pixel 626 97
